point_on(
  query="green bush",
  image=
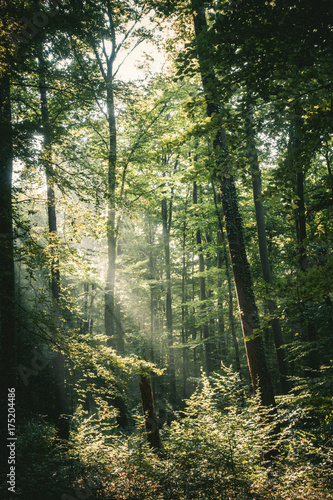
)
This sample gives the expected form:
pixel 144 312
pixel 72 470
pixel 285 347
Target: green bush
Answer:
pixel 213 450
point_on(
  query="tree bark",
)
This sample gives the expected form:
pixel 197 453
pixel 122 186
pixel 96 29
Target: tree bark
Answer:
pixel 328 164
pixel 295 150
pixel 283 365
pixel 166 221
pixel 61 407
pixel 221 325
pixel 119 331
pixel 260 376
pixel 108 76
pixel 151 289
pixel 7 275
pixel 111 228
pixel 221 239
pixel 184 307
pixel 193 321
pixel 149 414
pixel 202 290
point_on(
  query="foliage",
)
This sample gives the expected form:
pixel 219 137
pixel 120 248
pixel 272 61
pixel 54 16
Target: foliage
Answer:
pixel 212 450
pixel 131 161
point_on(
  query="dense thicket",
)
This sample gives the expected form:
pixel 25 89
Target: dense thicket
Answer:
pixel 166 249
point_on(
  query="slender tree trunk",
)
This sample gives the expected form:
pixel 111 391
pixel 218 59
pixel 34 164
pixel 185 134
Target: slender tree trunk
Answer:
pixel 231 305
pixel 84 323
pixel 152 323
pixel 300 220
pixel 61 407
pixel 119 331
pixel 112 320
pixel 118 324
pixel 221 326
pixel 202 290
pixel 260 376
pixel 111 227
pixel 7 277
pixel 151 288
pixel 193 322
pixel 246 302
pixel 328 164
pixel 263 252
pixel 215 327
pixel 149 413
pixel 313 358
pixel 166 220
pixel 217 201
pixel 107 72
pixel 184 307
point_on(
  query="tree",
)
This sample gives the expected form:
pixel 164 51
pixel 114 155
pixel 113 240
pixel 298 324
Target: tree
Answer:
pixel 288 75
pixel 149 414
pixel 7 276
pixel 221 240
pixel 166 223
pixel 297 159
pixel 61 407
pixel 263 251
pixel 8 322
pixel 202 288
pixel 241 272
pixel 113 17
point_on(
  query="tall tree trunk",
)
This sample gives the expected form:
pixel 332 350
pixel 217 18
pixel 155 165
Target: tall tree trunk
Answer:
pixel 166 221
pixel 184 307
pixel 221 239
pixel 119 331
pixel 301 221
pixel 260 376
pixel 111 227
pixel 263 252
pixel 112 321
pixel 221 326
pixel 108 76
pixel 84 322
pixel 151 288
pixel 193 322
pixel 313 358
pixel 149 413
pixel 215 327
pixel 7 276
pixel 202 290
pixel 61 407
pixel 328 164
pixel 295 150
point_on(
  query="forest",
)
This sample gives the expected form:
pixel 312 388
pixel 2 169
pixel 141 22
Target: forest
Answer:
pixel 166 237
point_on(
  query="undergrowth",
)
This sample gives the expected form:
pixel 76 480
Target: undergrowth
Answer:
pixel 213 450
